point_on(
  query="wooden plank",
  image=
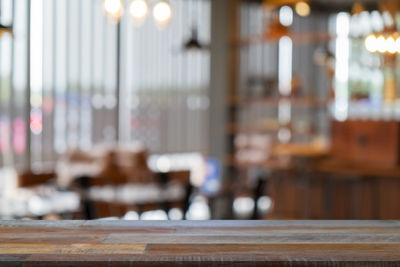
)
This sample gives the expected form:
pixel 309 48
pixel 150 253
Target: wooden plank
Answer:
pixel 43 224
pixel 50 237
pixel 239 223
pixel 72 248
pixel 200 243
pixel 13 260
pixel 257 237
pixel 319 254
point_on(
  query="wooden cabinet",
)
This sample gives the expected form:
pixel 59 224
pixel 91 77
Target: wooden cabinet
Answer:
pixel 374 142
pixel 328 197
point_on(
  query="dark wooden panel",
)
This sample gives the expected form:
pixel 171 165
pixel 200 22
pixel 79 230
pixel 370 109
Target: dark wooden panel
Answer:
pixel 366 141
pixel 389 199
pixel 336 193
pixel 289 195
pixel 316 204
pixel 366 199
pixel 341 200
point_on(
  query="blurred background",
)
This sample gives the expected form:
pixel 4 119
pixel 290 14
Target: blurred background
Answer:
pixel 199 109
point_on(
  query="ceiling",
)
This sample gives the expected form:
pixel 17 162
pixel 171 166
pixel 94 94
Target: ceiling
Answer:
pixel 334 5
pixel 341 5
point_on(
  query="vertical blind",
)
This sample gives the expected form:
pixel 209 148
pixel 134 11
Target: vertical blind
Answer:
pixel 61 88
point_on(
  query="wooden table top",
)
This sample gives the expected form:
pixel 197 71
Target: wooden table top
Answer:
pixel 199 243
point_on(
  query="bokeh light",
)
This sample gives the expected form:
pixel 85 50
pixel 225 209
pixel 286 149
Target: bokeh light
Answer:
pixel 162 13
pixel 391 45
pixel 286 16
pixel 36 121
pixel 302 9
pixel 243 207
pixel 398 44
pixel 113 9
pixel 371 43
pixel 381 44
pixel 138 9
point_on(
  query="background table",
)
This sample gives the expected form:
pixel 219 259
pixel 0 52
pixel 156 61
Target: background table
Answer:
pixel 201 243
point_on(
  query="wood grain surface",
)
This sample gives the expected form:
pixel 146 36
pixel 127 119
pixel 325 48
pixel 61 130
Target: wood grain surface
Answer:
pixel 200 243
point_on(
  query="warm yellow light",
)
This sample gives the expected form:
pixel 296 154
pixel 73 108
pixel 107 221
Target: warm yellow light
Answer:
pixel 391 45
pixel 138 10
pixel 371 43
pixel 113 8
pixel 381 44
pixel 302 9
pixel 398 45
pixel 162 13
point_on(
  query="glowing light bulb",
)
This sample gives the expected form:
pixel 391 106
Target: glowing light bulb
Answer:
pixel 113 8
pixel 138 10
pixel 381 44
pixel 162 13
pixel 371 43
pixel 398 45
pixel 302 9
pixel 391 45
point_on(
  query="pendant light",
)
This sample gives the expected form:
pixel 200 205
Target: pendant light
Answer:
pixel 193 42
pixel 138 9
pixel 162 13
pixel 113 9
pixel 5 29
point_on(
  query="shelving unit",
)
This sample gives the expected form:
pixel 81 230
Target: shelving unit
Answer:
pixel 259 105
pixel 269 122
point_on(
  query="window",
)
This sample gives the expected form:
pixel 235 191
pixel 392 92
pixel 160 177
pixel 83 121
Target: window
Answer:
pixel 61 87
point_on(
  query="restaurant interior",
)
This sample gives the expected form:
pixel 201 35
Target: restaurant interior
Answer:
pixel 199 109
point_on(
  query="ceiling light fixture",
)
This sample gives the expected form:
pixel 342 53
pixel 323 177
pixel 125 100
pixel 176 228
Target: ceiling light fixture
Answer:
pixel 138 10
pixel 162 13
pixel 383 44
pixel 391 45
pixel 6 29
pixel 113 9
pixel 371 43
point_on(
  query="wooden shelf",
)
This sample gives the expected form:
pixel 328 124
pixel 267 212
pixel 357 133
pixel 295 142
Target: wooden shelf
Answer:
pixel 297 37
pixel 272 128
pixel 274 101
pixel 271 164
pixel 274 161
pixel 311 150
